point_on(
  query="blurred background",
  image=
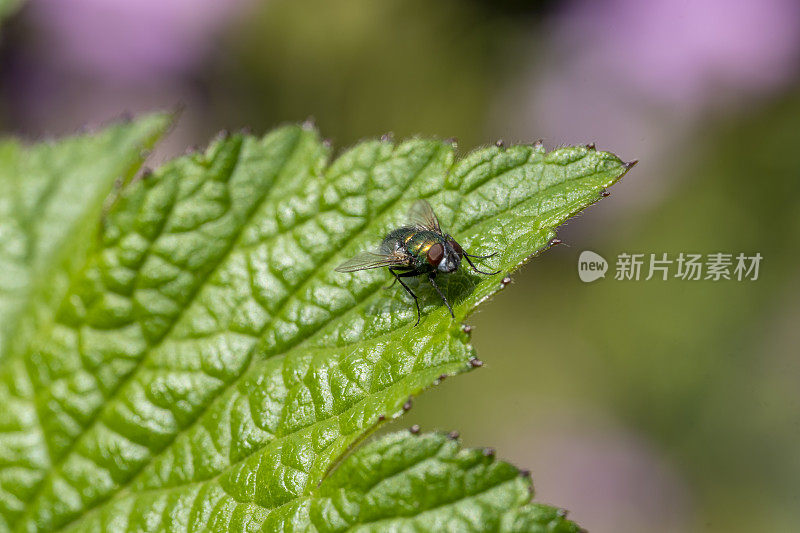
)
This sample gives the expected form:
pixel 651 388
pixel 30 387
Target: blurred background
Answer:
pixel 654 406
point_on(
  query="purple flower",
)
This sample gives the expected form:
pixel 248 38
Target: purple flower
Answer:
pixel 684 51
pixel 641 76
pixel 129 40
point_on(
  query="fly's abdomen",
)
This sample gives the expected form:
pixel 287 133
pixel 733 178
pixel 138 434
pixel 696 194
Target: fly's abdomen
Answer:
pixel 395 241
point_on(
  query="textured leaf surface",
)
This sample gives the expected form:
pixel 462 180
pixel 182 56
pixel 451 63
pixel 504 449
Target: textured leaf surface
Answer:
pixel 207 366
pixel 404 482
pixel 50 198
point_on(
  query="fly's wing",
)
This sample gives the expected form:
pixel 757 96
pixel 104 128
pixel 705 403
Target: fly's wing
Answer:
pixel 367 260
pixel 422 216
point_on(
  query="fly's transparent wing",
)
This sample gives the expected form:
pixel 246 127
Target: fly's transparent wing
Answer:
pixel 421 215
pixel 367 260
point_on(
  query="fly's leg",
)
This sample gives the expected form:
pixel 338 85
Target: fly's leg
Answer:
pixel 430 278
pixel 479 271
pixel 480 256
pixel 408 290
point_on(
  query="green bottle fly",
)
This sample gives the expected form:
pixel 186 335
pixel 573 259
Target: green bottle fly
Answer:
pixel 419 248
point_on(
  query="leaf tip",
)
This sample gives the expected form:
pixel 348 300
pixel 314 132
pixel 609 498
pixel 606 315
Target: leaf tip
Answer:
pixel 591 146
pixel 475 363
pixel 453 435
pixel 451 141
pixel 605 193
pixel 309 124
pixel 414 430
pixel 488 452
pixel 387 137
pixel 630 164
pixel 500 144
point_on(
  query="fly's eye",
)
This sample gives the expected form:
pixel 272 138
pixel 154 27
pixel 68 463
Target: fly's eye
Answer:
pixel 457 248
pixel 435 254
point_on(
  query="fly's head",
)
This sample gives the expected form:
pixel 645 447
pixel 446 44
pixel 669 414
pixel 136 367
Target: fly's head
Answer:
pixel 446 256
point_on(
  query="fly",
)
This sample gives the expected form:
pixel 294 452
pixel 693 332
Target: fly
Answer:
pixel 417 249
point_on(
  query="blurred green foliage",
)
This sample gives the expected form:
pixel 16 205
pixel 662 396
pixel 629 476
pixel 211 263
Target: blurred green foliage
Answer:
pixel 693 361
pixel 366 68
pixel 8 6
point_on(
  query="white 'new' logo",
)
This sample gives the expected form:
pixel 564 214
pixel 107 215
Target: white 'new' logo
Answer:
pixel 591 266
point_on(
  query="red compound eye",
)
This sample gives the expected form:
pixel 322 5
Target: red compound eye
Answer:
pixel 435 254
pixel 457 248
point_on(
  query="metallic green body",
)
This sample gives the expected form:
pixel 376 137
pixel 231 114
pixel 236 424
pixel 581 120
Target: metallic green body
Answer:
pixel 415 242
pixel 420 248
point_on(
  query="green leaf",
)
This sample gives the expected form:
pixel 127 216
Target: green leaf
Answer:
pixel 208 366
pixel 51 195
pixel 404 482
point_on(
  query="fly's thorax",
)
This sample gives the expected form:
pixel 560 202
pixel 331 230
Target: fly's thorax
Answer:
pixel 435 250
pixel 420 242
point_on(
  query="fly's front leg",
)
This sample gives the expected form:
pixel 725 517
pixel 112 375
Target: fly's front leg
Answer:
pixel 479 271
pixel 431 276
pixel 480 256
pixel 408 290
